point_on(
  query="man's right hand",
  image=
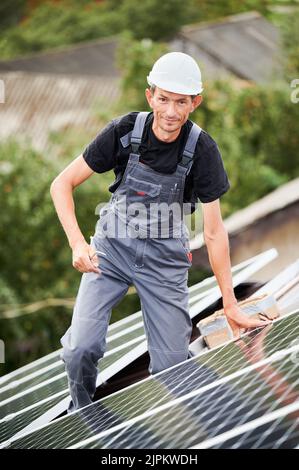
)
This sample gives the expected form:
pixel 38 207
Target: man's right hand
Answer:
pixel 84 258
pixel 237 319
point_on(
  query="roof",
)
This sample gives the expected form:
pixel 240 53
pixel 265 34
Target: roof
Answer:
pixel 246 45
pixel 278 199
pixel 55 89
pixel 95 58
pixel 37 104
pixel 241 394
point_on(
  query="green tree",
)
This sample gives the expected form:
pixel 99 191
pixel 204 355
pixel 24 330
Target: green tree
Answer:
pixel 54 24
pixel 35 258
pixel 154 19
pixel 290 42
pixel 135 60
pixel 11 11
pixel 209 10
pixel 256 129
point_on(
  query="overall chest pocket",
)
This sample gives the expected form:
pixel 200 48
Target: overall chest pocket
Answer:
pixel 141 191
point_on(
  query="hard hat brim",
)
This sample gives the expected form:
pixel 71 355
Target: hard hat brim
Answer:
pixel 167 85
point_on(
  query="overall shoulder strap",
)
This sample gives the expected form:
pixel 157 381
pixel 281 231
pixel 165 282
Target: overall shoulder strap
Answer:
pixel 134 137
pixel 138 130
pixel 189 150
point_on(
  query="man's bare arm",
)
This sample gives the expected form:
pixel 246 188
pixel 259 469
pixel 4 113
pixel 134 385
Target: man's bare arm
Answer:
pixel 61 191
pixel 217 242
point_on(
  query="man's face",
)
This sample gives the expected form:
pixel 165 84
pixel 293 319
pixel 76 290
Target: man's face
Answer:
pixel 171 110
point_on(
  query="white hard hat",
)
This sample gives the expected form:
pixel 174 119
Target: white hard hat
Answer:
pixel 176 72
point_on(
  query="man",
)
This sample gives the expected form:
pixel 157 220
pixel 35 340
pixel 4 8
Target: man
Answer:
pixel 158 157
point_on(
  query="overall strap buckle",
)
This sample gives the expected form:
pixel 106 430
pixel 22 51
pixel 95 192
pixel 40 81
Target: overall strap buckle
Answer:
pixel 134 137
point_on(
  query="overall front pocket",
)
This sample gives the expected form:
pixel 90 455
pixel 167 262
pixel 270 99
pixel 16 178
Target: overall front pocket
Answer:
pixel 184 246
pixel 174 195
pixel 139 191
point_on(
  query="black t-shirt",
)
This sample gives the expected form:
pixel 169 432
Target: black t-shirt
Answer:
pixel 207 178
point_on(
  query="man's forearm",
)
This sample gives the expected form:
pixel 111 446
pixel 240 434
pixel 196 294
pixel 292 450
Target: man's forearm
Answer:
pixel 219 257
pixel 62 196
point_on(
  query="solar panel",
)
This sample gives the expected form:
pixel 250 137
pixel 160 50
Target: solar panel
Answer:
pixel 57 383
pixel 25 380
pixel 192 403
pixel 277 430
pixel 238 404
pixel 32 367
pixel 47 388
pixel 121 327
pixel 115 342
pixel 15 410
pixel 13 423
pixel 285 288
pixel 290 301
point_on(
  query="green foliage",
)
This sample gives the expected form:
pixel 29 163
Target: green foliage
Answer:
pixel 269 124
pixel 208 10
pixel 32 336
pixel 35 257
pixel 154 19
pixel 59 23
pixel 56 24
pixel 256 129
pixel 11 11
pixel 135 60
pixel 290 39
pixel 35 244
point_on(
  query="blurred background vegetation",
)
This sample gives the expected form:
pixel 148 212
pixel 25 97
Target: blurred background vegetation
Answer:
pixel 256 128
pixel 35 25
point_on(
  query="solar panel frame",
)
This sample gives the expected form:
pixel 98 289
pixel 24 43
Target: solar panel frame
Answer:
pixel 179 376
pixel 15 422
pixel 257 262
pixel 125 428
pixel 253 425
pixel 56 368
pixel 196 292
pixel 139 324
pixel 177 372
pixel 120 362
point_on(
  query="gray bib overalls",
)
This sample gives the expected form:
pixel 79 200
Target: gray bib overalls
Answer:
pixel 140 251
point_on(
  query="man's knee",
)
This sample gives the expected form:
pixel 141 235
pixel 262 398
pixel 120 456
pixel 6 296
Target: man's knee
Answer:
pixel 81 360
